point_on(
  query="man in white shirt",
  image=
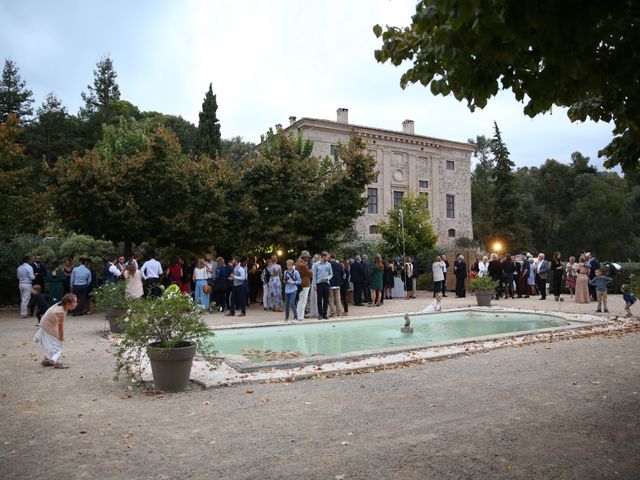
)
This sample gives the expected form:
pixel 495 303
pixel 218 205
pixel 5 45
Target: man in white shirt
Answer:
pixel 151 272
pixel 26 276
pixel 238 278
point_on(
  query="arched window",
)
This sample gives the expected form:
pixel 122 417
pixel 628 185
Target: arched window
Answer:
pixel 452 233
pixel 373 229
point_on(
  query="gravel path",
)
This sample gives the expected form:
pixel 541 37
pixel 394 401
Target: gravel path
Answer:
pixel 563 410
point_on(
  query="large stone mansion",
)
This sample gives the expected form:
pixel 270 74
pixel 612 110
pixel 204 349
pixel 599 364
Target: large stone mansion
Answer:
pixel 404 161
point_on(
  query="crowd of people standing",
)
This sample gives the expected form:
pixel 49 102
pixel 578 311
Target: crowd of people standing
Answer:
pixel 318 286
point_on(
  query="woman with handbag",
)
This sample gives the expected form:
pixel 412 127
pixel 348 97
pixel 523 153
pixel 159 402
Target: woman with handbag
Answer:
pixel 203 290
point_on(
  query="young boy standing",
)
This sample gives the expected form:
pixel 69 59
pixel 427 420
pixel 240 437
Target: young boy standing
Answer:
pixel 601 282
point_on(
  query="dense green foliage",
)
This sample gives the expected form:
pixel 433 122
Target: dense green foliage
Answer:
pixel 568 208
pixel 419 234
pixel 20 206
pixel 573 54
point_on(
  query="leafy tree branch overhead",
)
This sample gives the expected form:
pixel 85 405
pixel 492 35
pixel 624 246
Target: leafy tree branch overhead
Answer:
pixel 574 54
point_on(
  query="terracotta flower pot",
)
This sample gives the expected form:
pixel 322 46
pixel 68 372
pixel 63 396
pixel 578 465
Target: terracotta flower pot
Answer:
pixel 171 368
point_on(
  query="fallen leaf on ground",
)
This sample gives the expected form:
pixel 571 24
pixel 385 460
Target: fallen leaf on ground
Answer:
pixel 248 390
pixel 593 382
pixel 265 400
pixel 82 432
pixel 127 435
pixel 125 397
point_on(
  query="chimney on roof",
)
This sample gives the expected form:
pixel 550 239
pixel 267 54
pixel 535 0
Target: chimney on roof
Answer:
pixel 292 120
pixel 278 127
pixel 407 127
pixel 343 115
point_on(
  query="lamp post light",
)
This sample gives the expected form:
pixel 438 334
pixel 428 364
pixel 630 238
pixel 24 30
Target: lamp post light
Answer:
pixel 401 216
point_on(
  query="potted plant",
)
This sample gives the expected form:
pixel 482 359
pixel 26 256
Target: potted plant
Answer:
pixel 483 288
pixel 110 298
pixel 169 330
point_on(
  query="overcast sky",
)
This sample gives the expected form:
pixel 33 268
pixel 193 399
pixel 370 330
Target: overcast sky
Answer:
pixel 267 60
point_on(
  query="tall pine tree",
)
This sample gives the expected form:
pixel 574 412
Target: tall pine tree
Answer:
pixel 15 97
pixel 104 90
pixel 209 126
pixel 509 225
pixel 482 204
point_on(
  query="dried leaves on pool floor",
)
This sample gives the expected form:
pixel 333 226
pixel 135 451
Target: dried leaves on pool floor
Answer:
pixel 269 355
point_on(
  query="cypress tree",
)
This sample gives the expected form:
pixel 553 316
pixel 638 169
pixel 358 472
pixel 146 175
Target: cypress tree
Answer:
pixel 209 126
pixel 15 97
pixel 508 216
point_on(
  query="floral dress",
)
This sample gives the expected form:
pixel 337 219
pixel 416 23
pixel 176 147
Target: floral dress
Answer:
pixel 274 299
pixel 571 275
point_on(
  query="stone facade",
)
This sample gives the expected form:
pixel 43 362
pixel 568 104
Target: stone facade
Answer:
pixel 404 161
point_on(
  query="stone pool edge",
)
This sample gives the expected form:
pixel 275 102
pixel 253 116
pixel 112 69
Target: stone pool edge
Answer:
pixel 244 365
pixel 225 375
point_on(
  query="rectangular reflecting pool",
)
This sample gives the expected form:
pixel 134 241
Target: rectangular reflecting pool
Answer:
pixel 281 342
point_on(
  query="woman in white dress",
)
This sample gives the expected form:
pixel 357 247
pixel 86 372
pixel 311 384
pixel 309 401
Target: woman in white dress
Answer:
pixel 134 289
pixel 51 332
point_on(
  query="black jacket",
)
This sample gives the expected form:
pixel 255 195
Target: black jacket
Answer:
pixel 357 272
pixel 336 269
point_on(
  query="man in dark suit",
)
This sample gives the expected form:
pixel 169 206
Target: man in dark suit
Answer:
pixel 357 277
pixel 460 271
pixel 366 279
pixel 541 275
pixel 40 271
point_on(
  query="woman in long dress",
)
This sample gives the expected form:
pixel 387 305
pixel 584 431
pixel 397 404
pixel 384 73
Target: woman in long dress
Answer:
pixel 582 281
pixel 55 281
pixel 389 279
pixel 134 288
pixel 51 332
pixel 557 272
pixel 377 275
pixel 275 284
pixel 571 275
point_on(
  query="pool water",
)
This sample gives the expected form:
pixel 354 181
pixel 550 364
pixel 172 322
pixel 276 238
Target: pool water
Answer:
pixel 326 338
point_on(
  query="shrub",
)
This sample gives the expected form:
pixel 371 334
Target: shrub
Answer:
pixel 482 283
pixel 78 246
pixel 425 281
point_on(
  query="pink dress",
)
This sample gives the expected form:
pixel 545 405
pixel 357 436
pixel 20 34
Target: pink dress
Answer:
pixel 582 284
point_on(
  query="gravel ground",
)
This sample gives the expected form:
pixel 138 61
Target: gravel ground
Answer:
pixel 568 409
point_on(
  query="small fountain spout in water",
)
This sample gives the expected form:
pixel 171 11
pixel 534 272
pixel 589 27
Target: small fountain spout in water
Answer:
pixel 407 324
